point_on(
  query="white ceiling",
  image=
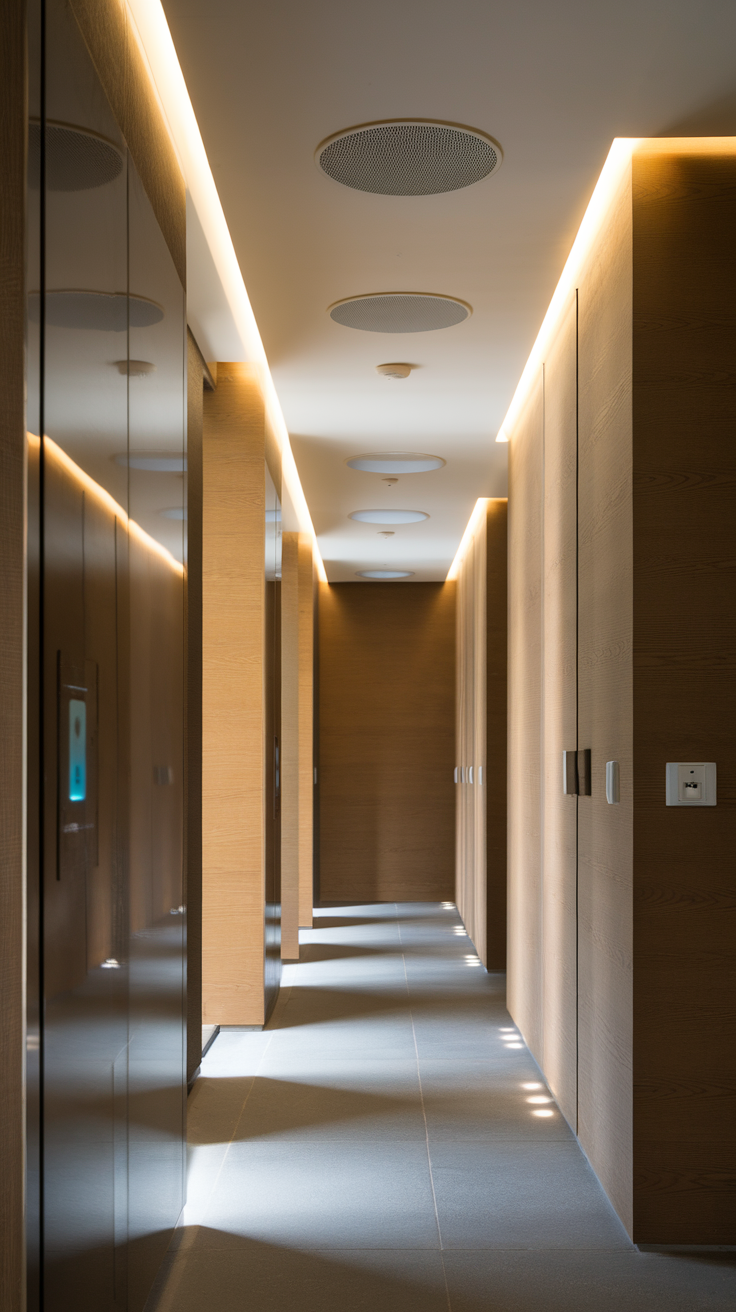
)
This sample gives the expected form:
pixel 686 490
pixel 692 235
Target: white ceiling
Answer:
pixel 553 83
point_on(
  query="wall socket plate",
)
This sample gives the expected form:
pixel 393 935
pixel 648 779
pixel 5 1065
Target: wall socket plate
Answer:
pixel 691 783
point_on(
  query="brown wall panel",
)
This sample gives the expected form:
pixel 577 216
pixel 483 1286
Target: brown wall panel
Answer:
pixel 290 780
pixel 605 707
pixel 559 835
pixel 494 773
pixel 684 513
pixel 386 741
pixel 525 720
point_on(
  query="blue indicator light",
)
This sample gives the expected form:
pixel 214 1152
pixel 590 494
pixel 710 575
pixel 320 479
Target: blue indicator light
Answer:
pixel 77 751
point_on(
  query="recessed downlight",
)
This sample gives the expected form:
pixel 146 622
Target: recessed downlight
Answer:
pixel 395 462
pixel 389 516
pixel 408 157
pixel 399 312
pixel 385 574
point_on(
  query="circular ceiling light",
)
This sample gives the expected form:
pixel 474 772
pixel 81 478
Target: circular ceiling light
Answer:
pixel 175 512
pixel 153 462
pixel 408 157
pixel 395 462
pixel 76 159
pixel 399 312
pixel 385 573
pixel 389 516
pixel 107 312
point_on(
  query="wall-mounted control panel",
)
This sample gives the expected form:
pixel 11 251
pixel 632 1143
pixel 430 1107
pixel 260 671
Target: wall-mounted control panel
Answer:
pixel 691 783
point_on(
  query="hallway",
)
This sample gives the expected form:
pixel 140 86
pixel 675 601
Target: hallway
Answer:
pixel 387 1142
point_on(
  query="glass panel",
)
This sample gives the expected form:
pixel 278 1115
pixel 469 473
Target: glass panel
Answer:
pixel 273 744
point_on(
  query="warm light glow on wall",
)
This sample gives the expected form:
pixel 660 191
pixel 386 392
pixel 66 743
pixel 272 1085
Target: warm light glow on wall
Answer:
pixel 52 449
pixel 152 31
pixel 471 529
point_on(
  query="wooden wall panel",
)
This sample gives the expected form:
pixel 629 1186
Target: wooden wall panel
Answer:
pixel 386 741
pixel 605 706
pixel 684 517
pixel 13 111
pixel 525 721
pixel 290 746
pixel 559 727
pixel 306 729
pixel 233 745
pixel 494 772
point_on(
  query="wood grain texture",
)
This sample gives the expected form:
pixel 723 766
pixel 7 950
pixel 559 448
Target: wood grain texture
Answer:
pixel 290 746
pixel 525 721
pixel 605 706
pixel 112 42
pixel 196 373
pixel 559 834
pixel 306 729
pixel 494 773
pixel 386 664
pixel 684 523
pixel 470 739
pixel 12 584
pixel 233 743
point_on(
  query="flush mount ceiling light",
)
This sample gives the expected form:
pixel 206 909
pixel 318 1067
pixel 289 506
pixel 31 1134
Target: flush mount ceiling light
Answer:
pixel 388 516
pixel 135 368
pixel 175 512
pixel 76 159
pixel 399 312
pixel 107 312
pixel 408 157
pixel 154 462
pixel 394 370
pixel 395 462
pixel 385 574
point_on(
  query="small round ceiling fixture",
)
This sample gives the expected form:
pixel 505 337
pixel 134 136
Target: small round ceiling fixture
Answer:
pixel 153 462
pixel 175 512
pixel 107 312
pixel 399 312
pixel 395 462
pixel 408 157
pixel 76 158
pixel 394 370
pixel 389 516
pixel 385 573
pixel 135 368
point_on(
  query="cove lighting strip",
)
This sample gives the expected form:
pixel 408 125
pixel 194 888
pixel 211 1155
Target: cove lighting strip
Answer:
pixel 84 480
pixel 152 31
pixel 471 529
pixel 617 162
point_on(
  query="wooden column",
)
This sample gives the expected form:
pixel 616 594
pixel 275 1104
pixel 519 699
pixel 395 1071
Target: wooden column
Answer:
pixel 233 735
pixel 290 728
pixel 306 729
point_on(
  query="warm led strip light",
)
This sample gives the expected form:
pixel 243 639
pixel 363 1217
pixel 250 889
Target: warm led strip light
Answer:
pixel 152 31
pixel 471 529
pixel 60 456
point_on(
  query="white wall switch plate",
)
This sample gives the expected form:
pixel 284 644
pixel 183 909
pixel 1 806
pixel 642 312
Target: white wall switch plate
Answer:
pixel 691 783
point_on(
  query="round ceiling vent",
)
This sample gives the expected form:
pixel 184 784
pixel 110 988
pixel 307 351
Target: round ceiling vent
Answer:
pixel 389 516
pixel 153 462
pixel 76 159
pixel 385 573
pixel 395 462
pixel 399 312
pixel 408 157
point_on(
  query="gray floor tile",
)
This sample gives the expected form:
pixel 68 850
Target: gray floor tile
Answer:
pixel 521 1196
pixel 319 1195
pixel 589 1282
pixel 353 1101
pixel 470 1101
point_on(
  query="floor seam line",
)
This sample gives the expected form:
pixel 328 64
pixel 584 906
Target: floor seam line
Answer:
pixel 426 1129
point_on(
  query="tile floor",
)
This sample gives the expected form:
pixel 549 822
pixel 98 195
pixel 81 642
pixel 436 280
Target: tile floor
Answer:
pixel 375 1147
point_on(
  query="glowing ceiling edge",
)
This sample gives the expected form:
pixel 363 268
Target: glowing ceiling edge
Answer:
pixel 152 32
pixel 467 537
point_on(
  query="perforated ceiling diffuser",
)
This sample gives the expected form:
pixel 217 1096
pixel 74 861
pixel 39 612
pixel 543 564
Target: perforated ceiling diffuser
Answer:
pixel 399 312
pixel 408 157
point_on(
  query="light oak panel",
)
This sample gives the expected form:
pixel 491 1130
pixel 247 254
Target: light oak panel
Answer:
pixel 684 693
pixel 387 681
pixel 290 746
pixel 559 835
pixel 605 722
pixel 233 714
pixel 525 931
pixel 306 589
